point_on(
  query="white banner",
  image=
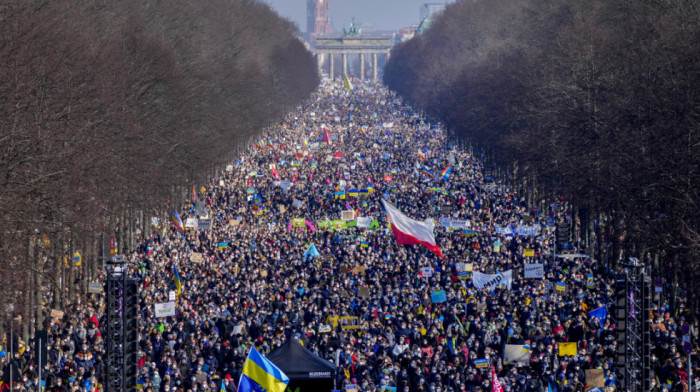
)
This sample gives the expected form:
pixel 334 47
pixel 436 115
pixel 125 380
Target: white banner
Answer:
pixel 534 271
pixel 445 222
pixel 298 203
pixel 364 222
pixel 165 309
pixel 191 223
pixel 462 224
pixel 488 280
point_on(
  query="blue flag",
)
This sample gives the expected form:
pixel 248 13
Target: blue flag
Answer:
pixel 601 313
pixel 311 251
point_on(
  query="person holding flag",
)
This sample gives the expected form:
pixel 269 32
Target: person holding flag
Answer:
pixel 259 374
pixel 178 281
pixel 408 231
pixel 445 173
pixel 175 219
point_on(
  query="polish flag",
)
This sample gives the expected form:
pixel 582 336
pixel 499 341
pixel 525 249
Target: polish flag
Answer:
pixel 408 231
pixel 495 384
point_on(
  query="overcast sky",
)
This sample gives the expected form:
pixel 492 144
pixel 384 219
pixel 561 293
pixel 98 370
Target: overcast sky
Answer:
pixel 372 14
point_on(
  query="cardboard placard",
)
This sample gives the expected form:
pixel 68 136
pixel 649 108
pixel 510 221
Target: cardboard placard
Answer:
pixel 363 292
pixel 348 215
pixel 517 353
pixel 595 378
pixel 94 287
pixel 57 314
pixel 349 322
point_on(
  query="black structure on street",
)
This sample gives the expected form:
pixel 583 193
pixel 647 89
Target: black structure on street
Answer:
pixel 121 319
pixel 633 322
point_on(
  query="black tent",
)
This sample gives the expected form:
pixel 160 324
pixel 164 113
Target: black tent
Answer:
pixel 306 370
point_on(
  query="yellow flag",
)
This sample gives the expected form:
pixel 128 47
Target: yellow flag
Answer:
pixel 346 83
pixel 567 348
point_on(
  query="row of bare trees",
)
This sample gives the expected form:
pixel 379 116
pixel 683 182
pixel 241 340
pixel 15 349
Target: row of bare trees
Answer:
pixel 597 101
pixel 110 111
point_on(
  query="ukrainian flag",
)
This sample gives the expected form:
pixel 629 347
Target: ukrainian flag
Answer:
pixel 178 282
pixel 261 374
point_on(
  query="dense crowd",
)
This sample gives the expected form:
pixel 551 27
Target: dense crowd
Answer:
pixel 249 280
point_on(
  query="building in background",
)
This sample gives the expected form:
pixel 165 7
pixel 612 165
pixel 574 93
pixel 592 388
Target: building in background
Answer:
pixel 318 19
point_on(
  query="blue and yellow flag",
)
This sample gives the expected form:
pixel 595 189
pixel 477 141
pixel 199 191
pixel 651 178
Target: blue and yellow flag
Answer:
pixel 259 374
pixel 178 281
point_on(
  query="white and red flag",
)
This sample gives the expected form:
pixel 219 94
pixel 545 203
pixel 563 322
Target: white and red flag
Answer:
pixel 495 384
pixel 408 231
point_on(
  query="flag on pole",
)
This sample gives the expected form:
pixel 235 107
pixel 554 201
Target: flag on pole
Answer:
pixel 408 231
pixel 427 172
pixel 495 384
pixel 194 194
pixel 346 83
pixel 445 173
pixel 600 313
pixel 259 374
pixel 178 281
pixel 326 136
pixel 311 251
pixel 175 219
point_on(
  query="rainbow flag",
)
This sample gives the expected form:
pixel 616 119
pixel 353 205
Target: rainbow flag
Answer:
pixel 445 173
pixel 427 172
pixel 194 194
pixel 259 374
pixel 175 219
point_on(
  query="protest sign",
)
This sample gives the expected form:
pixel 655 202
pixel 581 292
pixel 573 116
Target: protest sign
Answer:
pixel 364 222
pixel 528 252
pixel 446 222
pixel 567 349
pixel 94 287
pixel 481 363
pixel 348 215
pixel 197 257
pixel 363 292
pixel 516 353
pixel 438 296
pixel 172 295
pixel 56 314
pixel 460 224
pixel 349 322
pixel 298 203
pixel 426 272
pixel 560 286
pixel 534 271
pixel 324 328
pixel 481 280
pixel 165 309
pixel 191 223
pixel 595 378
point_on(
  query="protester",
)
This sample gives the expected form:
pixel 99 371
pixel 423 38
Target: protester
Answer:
pixel 252 278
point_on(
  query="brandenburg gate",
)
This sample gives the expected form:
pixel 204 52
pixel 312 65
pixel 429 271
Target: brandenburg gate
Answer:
pixel 352 44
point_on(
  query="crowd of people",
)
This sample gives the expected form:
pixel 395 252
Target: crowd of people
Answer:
pixel 278 262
